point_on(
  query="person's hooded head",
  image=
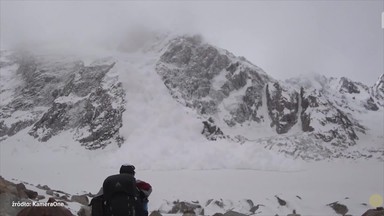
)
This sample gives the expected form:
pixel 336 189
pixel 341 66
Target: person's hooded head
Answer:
pixel 127 169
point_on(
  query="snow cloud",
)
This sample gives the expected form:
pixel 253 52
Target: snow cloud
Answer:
pixel 285 38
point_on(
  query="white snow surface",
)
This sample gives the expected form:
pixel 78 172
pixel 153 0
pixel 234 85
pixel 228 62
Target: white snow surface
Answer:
pixel 164 142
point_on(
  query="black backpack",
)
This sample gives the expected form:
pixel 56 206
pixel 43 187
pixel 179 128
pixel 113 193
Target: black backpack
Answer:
pixel 120 195
pixel 98 206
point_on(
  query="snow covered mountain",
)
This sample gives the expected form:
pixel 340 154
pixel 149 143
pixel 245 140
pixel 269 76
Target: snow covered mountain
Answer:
pixel 191 115
pixel 50 94
pixel 309 117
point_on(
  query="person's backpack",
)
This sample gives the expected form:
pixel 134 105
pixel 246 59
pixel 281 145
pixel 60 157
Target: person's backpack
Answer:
pixel 97 206
pixel 145 189
pixel 120 195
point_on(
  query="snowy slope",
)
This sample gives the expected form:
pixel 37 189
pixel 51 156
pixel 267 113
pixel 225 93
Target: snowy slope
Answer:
pixel 162 138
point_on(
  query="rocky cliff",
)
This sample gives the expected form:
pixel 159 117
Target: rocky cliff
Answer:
pixel 49 95
pixel 230 89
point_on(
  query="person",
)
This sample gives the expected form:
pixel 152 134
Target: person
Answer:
pixel 144 189
pixel 122 194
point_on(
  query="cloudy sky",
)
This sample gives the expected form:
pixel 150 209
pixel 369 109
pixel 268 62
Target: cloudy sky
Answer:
pixel 285 38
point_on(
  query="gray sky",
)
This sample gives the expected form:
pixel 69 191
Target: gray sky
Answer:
pixel 285 38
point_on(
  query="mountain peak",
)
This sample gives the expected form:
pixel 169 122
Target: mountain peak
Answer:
pixel 46 95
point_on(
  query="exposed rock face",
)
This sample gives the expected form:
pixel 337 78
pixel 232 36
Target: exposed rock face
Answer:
pixel 211 131
pixel 347 86
pixel 332 124
pixel 307 102
pixel 377 90
pixel 47 95
pixel 204 78
pixel 371 105
pixel 371 97
pixel 282 108
pixel 229 89
pixel 199 64
pixel 56 95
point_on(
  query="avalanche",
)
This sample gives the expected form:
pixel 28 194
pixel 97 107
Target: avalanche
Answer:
pixel 163 139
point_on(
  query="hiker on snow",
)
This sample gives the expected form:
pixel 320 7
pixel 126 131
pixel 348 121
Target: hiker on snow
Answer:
pixel 144 189
pixel 122 195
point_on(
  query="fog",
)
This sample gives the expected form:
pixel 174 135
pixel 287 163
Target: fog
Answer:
pixel 285 38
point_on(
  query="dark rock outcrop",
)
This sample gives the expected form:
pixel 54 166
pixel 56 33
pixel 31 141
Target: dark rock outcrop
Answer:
pixel 379 211
pixel 344 133
pixel 211 131
pixel 282 107
pixel 155 213
pixel 30 194
pixel 332 124
pixel 305 118
pixel 82 199
pixel 339 208
pixel 371 105
pixel 294 213
pixel 186 207
pixel 347 86
pixel 43 187
pixel 281 201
